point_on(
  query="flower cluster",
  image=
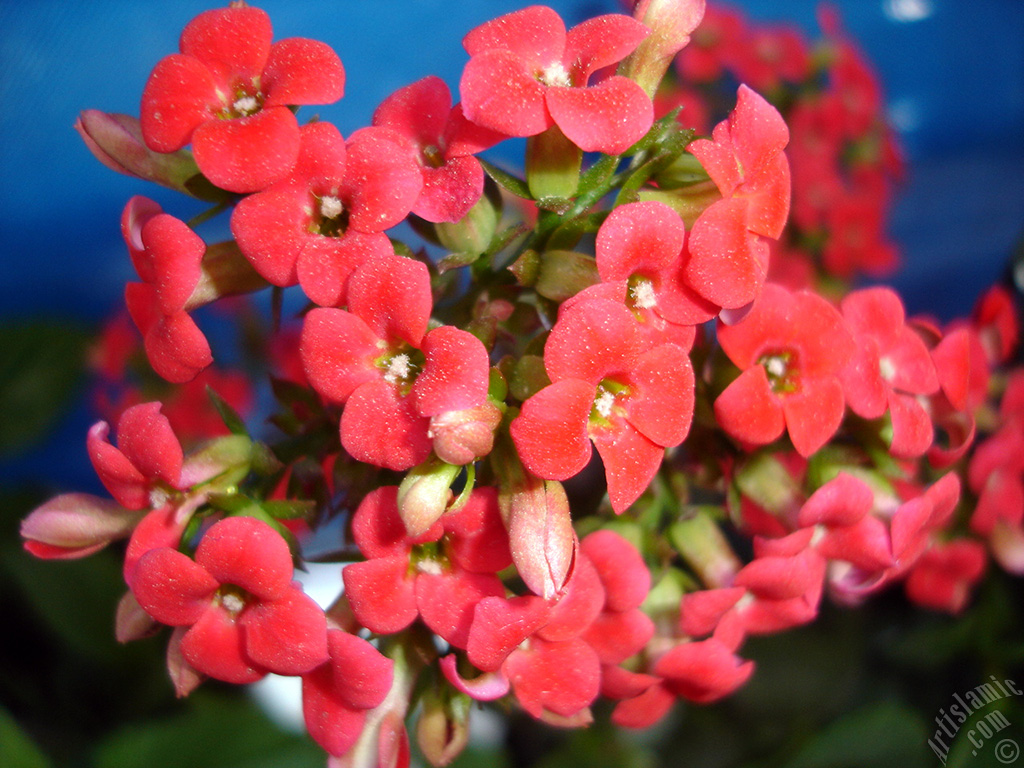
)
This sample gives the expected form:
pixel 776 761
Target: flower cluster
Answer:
pixel 639 291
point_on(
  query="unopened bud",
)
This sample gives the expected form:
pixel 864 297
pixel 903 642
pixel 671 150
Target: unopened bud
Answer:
pixel 116 141
pixel 225 272
pixel 472 234
pixel 424 493
pixel 670 22
pixel 563 274
pixel 540 532
pixel 74 525
pixel 552 166
pixel 461 437
pixel 702 544
pixel 443 728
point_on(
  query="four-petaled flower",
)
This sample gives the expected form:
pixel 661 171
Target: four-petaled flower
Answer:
pixel 526 74
pixel 245 616
pixel 228 93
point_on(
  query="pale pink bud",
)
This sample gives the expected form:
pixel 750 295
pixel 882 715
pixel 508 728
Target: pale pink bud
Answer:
pixel 116 141
pixel 132 622
pixel 670 22
pixel 541 536
pixel 442 731
pixel 423 495
pixel 74 525
pixel 461 437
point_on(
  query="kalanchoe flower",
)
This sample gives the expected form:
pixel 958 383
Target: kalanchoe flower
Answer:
pixel 791 349
pixel 526 74
pixel 892 365
pixel 245 615
pixel 611 387
pixel 168 257
pixel 337 695
pixel 228 94
pixel 74 525
pixel 728 257
pixel 444 143
pixel 392 375
pixel 405 577
pixel 328 215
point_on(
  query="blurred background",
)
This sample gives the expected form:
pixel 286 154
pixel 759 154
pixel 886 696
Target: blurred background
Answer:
pixel 857 688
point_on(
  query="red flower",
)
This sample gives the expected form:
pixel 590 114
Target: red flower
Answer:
pixel 526 73
pixel 892 365
pixel 444 143
pixel 643 244
pixel 168 257
pixel 611 387
pixel 791 349
pixel 329 214
pixel 406 577
pixel 245 615
pixel 337 695
pixel 728 258
pixel 379 360
pixel 228 93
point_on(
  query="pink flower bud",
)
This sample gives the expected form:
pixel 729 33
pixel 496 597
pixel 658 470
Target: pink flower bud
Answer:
pixel 540 532
pixel 464 436
pixel 670 22
pixel 74 525
pixel 116 141
pixel 423 495
pixel 442 731
pixel 132 622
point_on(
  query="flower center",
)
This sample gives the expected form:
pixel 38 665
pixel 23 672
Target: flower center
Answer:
pixel 556 75
pixel 433 156
pixel 783 373
pixel 886 368
pixel 330 207
pixel 232 599
pixel 398 369
pixel 246 105
pixel 608 393
pixel 642 293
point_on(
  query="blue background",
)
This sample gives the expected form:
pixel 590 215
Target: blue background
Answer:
pixel 952 70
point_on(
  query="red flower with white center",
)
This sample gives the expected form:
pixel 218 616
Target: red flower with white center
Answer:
pixel 791 349
pixel 168 257
pixel 146 466
pixel 526 74
pixel 378 359
pixel 610 387
pixel 229 92
pixel 406 577
pixel 245 616
pixel 891 367
pixel 337 695
pixel 329 214
pixel 444 141
pixel 728 260
pixel 644 244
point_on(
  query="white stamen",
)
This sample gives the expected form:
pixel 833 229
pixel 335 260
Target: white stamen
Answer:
pixel 246 105
pixel 158 497
pixel 643 295
pixel 398 369
pixel 886 368
pixel 556 75
pixel 429 566
pixel 330 207
pixel 232 603
pixel 775 366
pixel 604 402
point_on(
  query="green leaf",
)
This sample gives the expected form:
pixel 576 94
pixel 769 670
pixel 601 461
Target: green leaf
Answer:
pixel 17 749
pixel 228 415
pixel 880 735
pixel 210 730
pixel 40 369
pixel 513 184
